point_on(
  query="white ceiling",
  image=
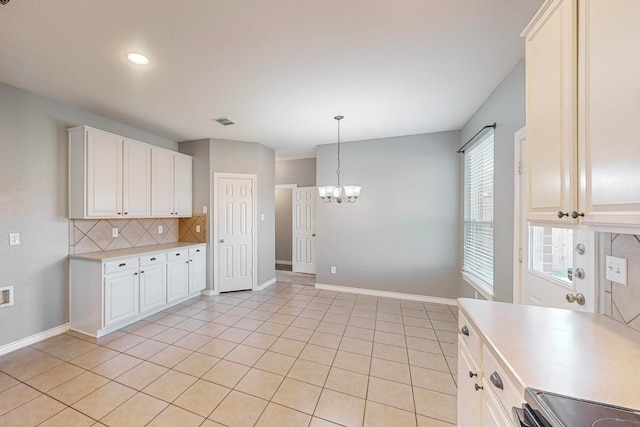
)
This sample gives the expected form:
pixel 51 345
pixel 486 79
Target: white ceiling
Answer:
pixel 281 69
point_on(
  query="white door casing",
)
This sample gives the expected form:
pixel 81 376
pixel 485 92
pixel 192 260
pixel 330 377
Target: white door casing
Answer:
pixel 531 287
pixel 304 230
pixel 234 232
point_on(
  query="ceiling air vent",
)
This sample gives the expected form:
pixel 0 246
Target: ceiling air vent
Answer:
pixel 222 120
pixel 4 2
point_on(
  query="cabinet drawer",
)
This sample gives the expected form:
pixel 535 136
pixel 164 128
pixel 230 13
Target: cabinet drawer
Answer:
pixel 196 251
pixel 178 254
pixel 471 338
pixel 497 380
pixel 152 259
pixel 120 265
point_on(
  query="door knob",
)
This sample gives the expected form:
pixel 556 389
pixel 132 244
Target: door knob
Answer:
pixel 580 299
pixel 221 240
pixel 571 298
pixel 580 249
pixel 579 273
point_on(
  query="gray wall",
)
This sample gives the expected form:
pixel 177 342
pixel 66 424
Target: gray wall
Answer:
pixel 284 197
pixel 402 234
pixel 34 202
pixel 506 107
pixel 252 158
pixel 301 172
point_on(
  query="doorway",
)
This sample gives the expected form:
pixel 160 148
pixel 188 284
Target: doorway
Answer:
pixel 295 231
pixel 234 231
pixel 553 266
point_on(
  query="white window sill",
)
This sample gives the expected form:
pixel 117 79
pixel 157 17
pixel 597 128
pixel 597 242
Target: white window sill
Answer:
pixel 479 285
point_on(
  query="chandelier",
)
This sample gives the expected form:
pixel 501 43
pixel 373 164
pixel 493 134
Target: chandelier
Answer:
pixel 338 193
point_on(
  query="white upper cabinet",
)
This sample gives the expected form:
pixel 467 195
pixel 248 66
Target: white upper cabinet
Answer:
pixel 551 61
pixel 136 179
pixel 609 112
pixel 115 177
pixel 171 184
pixel 583 105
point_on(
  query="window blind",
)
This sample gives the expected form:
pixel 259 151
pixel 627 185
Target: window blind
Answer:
pixel 478 210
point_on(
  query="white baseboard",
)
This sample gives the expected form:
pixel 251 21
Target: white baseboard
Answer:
pixel 388 294
pixel 281 261
pixel 266 284
pixel 8 348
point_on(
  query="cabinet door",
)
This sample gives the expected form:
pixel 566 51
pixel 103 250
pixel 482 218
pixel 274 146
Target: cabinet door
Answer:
pixel 609 111
pixel 104 175
pixel 162 183
pixel 177 280
pixel 136 194
pixel 492 414
pixel 197 273
pixel 153 287
pixel 469 399
pixel 183 185
pixel 120 297
pixel 551 68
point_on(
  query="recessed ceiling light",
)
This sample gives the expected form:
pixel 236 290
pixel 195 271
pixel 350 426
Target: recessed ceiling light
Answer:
pixel 138 58
pixel 224 121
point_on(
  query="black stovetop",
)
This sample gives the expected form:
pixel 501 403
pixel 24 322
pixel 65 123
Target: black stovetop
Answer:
pixel 563 411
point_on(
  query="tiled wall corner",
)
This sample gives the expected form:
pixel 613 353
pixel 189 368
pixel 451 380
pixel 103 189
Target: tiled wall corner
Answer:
pixel 193 229
pixel 94 235
pixel 622 303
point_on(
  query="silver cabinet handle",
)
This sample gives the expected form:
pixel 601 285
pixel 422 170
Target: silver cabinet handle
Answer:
pixel 478 387
pixel 465 331
pixel 221 240
pixel 122 265
pixel 496 380
pixel 471 374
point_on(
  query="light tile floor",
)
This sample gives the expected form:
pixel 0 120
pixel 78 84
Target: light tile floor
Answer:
pixel 290 355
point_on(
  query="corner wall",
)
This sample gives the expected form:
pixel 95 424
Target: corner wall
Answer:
pixel 402 234
pixel 506 107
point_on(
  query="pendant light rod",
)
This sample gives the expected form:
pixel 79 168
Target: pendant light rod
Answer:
pixel 338 118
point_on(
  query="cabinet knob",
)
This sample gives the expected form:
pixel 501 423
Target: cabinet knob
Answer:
pixel 141 272
pixel 465 331
pixel 575 214
pixel 135 274
pixel 561 214
pixel 221 240
pixel 496 380
pixel 126 213
pixel 471 374
pixel 478 387
pixel 119 213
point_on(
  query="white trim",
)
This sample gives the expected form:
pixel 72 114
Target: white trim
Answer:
pixel 266 284
pixel 254 234
pixel 209 292
pixel 289 186
pixel 519 214
pixel 387 294
pixel 7 348
pixel 479 286
pixel 537 17
pixel 281 261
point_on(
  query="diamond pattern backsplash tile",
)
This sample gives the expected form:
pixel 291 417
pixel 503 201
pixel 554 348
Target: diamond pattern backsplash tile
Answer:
pixel 622 303
pixel 193 229
pixel 94 235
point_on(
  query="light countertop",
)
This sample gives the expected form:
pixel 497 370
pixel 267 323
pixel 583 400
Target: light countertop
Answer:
pixel 140 250
pixel 583 355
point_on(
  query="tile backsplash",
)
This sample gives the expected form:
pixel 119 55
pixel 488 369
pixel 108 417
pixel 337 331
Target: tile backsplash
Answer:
pixel 622 303
pixel 94 235
pixel 193 229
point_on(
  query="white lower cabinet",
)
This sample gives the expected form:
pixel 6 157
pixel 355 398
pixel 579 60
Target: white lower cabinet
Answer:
pixel 469 391
pixel 107 295
pixel 493 415
pixel 120 297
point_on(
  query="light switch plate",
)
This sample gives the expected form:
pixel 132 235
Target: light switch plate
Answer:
pixel 616 269
pixel 14 239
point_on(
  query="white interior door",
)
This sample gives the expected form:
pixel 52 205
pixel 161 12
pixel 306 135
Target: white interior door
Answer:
pixel 235 222
pixel 555 267
pixel 304 230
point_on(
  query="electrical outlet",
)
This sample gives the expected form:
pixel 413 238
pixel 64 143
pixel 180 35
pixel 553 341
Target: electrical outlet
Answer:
pixel 114 232
pixel 616 270
pixel 6 296
pixel 333 269
pixel 197 228
pixel 160 229
pixel 204 209
pixel 14 239
pixel 261 217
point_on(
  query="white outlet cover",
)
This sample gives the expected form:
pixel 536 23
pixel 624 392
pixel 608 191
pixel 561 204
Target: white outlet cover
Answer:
pixel 333 269
pixel 261 217
pixel 616 269
pixel 204 209
pixel 14 239
pixel 160 229
pixel 197 228
pixel 114 232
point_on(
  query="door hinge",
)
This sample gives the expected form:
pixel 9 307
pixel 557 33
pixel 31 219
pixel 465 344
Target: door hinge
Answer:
pixel 520 255
pixel 520 168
